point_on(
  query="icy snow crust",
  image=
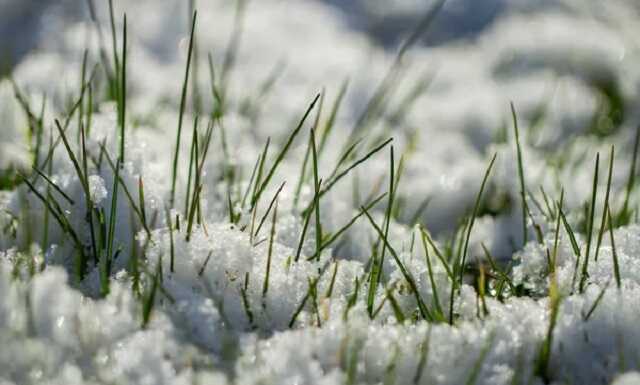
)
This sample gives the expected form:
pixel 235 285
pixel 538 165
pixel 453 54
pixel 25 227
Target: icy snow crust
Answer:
pixel 565 64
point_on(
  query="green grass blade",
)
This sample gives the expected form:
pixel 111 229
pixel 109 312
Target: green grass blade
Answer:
pixel 624 214
pixel 424 356
pixel 316 184
pixel 54 185
pixel 271 204
pixel 473 216
pixel 123 91
pixel 424 311
pixel 114 212
pixel 616 266
pixel 305 226
pixel 606 204
pixel 355 164
pixel 183 100
pixel 434 288
pixel 585 264
pixel 596 302
pixel 274 220
pixel 283 152
pixel 378 263
pixel 477 366
pixel 520 174
pixel 149 301
pixel 544 355
pixel 344 228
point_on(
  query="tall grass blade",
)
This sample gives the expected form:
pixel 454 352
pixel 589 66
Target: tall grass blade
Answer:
pixel 183 99
pixel 282 153
pixel 520 174
pixel 605 209
pixel 585 264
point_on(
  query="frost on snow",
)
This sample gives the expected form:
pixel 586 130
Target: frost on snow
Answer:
pixel 243 271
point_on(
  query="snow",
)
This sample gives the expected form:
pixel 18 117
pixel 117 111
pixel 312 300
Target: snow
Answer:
pixel 230 304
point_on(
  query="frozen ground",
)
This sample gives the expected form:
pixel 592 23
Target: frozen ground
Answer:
pixel 134 251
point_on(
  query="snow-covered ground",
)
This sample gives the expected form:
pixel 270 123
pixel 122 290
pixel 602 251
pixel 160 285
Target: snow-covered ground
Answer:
pixel 108 275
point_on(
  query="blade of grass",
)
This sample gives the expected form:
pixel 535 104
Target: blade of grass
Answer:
pixel 355 164
pixel 424 356
pixel 557 235
pixel 305 226
pixel 330 123
pixel 616 266
pixel 114 43
pixel 265 285
pixel 376 270
pixel 55 186
pixel 544 355
pixel 585 265
pixel 494 266
pixel 333 280
pixel 344 228
pixel 303 169
pixel 424 311
pixel 149 302
pixel 137 210
pixel 282 153
pixel 606 204
pixel 123 91
pixel 442 259
pixel 473 216
pixel 113 214
pixel 192 213
pixel 271 204
pixel 463 258
pixel 194 142
pixel 316 184
pixel 520 174
pixel 183 98
pixel 351 301
pixel 49 203
pixel 260 170
pixel 624 212
pixel 434 288
pixel 245 300
pixel 395 306
pixel 477 366
pixel 596 302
